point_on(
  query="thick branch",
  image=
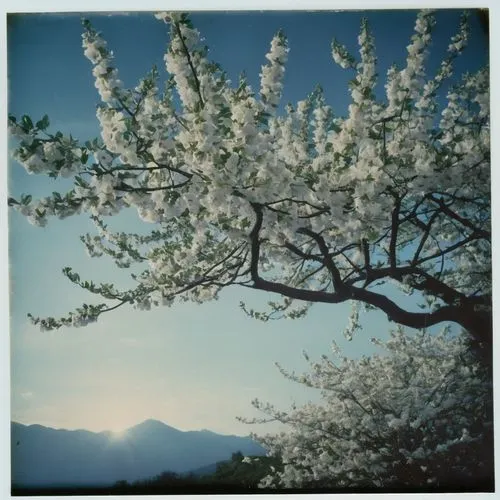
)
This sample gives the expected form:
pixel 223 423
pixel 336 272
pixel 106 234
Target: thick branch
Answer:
pixel 394 233
pixel 327 260
pixel 465 317
pixel 476 323
pixel 423 282
pixel 366 252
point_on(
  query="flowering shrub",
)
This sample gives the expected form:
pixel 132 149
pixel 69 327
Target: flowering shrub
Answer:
pixel 418 415
pixel 304 204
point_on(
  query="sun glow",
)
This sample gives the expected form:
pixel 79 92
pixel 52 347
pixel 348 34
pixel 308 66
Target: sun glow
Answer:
pixel 118 434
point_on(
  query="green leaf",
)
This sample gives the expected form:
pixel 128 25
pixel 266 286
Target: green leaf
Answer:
pixel 43 123
pixel 27 123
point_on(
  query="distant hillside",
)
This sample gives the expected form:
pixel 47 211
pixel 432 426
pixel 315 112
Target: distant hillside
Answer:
pixel 42 456
pixel 205 470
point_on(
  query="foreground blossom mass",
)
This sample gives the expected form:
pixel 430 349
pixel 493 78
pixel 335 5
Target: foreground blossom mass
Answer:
pixel 417 415
pixel 296 201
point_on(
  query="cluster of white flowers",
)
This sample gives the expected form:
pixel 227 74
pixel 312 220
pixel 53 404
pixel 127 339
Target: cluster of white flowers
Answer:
pixel 106 77
pixel 271 77
pixel 414 72
pixel 48 157
pixel 400 418
pixel 114 126
pixel 341 55
pixel 223 159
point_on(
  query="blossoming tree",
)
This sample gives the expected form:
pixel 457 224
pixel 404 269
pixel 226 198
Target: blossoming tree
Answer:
pixel 419 415
pixel 300 203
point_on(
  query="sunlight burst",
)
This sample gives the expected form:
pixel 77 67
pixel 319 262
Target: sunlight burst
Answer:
pixel 117 434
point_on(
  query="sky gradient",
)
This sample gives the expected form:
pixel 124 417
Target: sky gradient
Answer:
pixel 191 366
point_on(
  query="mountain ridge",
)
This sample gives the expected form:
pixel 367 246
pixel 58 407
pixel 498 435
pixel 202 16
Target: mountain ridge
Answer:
pixel 44 456
pixel 148 421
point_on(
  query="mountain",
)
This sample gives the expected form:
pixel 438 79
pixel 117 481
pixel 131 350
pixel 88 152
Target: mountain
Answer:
pixel 42 456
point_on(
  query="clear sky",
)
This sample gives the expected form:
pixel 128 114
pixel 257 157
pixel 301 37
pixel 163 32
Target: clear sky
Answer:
pixel 191 366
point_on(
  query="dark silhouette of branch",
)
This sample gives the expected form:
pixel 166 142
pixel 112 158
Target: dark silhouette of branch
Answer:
pixel 463 313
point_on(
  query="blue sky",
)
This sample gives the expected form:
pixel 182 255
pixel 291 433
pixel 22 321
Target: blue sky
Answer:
pixel 191 366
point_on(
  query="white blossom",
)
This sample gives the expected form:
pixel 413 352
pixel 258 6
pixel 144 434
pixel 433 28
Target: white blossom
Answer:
pixel 392 419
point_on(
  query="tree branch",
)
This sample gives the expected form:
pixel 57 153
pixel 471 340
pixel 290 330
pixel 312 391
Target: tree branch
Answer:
pixel 465 316
pixel 394 233
pixel 327 259
pixel 190 62
pixel 297 251
pixel 424 238
pixel 481 233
